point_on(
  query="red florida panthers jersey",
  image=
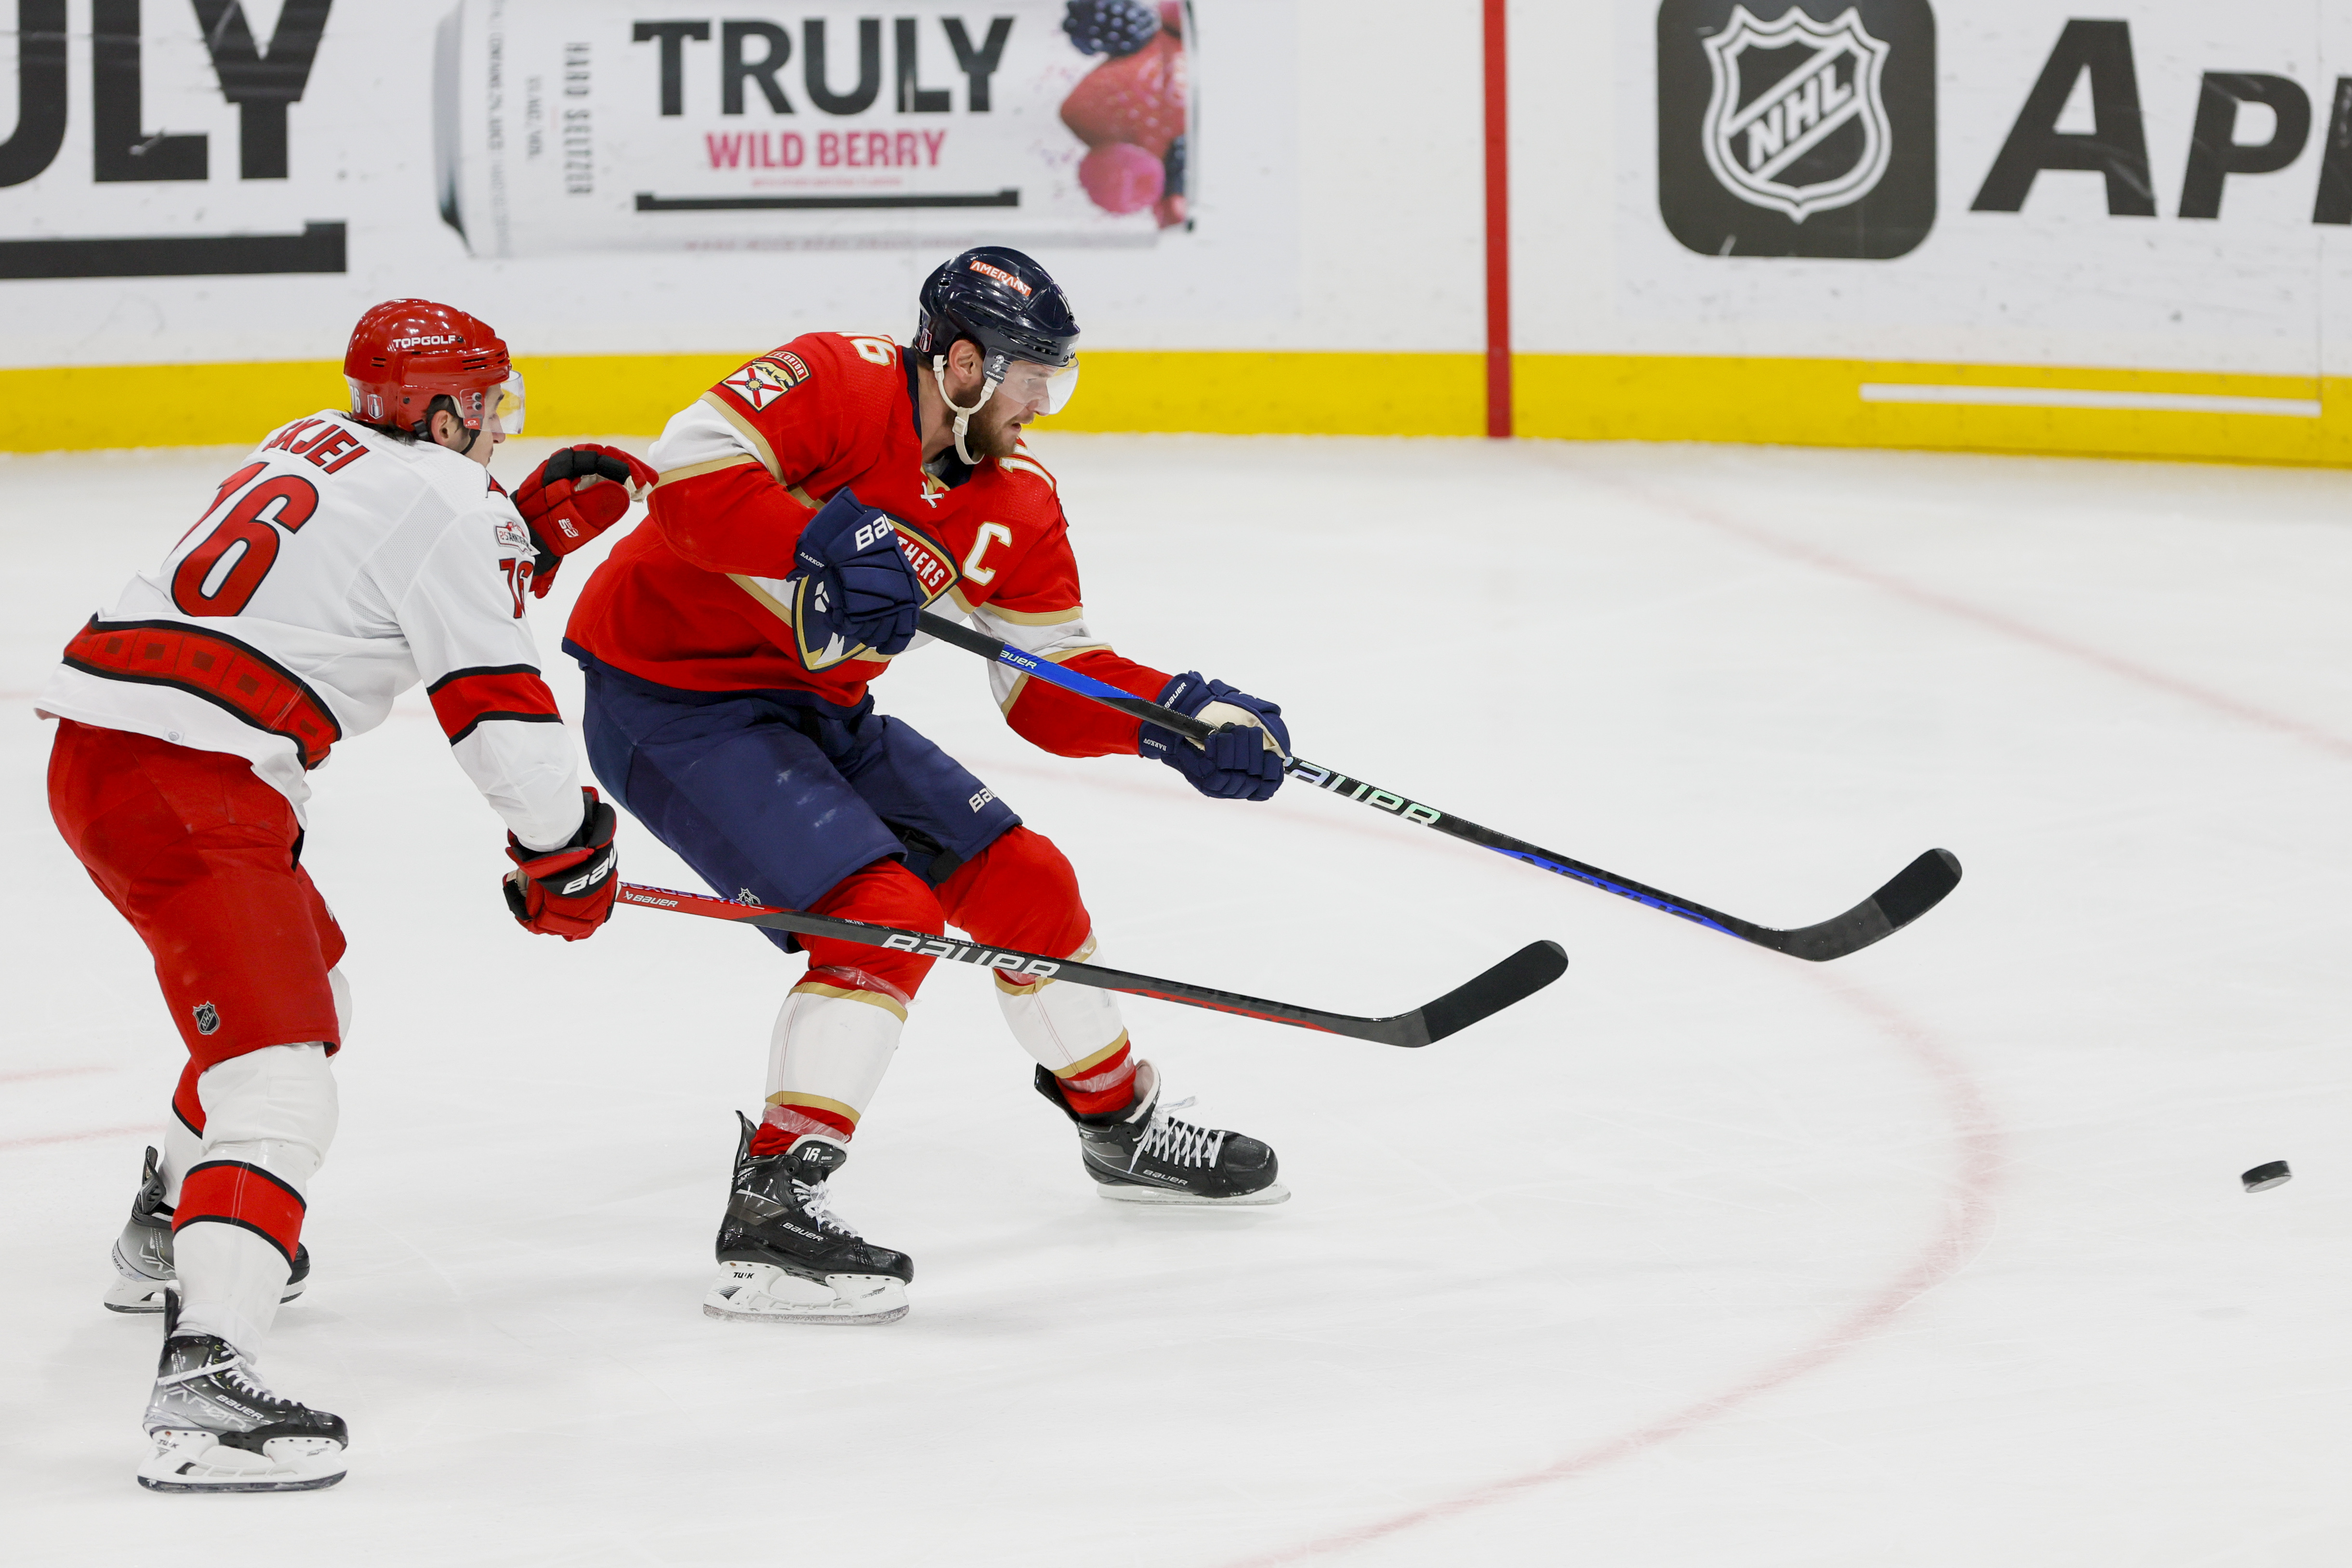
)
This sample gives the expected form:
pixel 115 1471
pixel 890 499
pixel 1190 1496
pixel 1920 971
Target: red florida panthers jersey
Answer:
pixel 697 598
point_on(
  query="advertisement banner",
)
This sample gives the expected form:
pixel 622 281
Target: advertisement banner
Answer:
pixel 2155 184
pixel 1815 137
pixel 614 125
pixel 161 140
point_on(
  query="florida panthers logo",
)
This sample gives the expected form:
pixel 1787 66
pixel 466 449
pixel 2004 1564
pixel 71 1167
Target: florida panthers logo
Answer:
pixel 768 378
pixel 1797 122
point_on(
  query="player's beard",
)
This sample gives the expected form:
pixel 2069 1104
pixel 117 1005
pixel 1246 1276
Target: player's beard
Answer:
pixel 991 433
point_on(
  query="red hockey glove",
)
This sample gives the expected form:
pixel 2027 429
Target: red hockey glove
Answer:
pixel 567 891
pixel 575 496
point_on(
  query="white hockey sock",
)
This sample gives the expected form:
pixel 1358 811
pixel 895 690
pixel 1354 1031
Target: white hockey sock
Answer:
pixel 230 1280
pixel 826 1059
pixel 1063 1027
pixel 342 989
pixel 269 1118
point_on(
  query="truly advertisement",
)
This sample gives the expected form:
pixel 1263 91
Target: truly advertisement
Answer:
pixel 563 125
pixel 163 139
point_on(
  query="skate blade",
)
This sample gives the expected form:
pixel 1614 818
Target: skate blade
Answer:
pixel 138 1293
pixel 763 1293
pixel 197 1461
pixel 1122 1192
pixel 134 1295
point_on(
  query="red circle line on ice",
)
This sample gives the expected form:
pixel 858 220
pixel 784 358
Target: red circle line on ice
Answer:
pixel 1968 1209
pixel 2211 698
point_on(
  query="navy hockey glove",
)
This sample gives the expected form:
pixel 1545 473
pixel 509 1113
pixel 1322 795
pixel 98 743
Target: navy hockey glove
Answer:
pixel 1243 761
pixel 852 585
pixel 567 890
pixel 571 497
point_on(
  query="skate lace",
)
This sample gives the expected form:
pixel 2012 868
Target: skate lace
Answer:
pixel 1179 1142
pixel 233 1372
pixel 240 1377
pixel 816 1202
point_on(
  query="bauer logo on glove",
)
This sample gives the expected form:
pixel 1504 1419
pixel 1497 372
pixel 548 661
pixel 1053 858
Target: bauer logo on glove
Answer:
pixel 859 578
pixel 575 496
pixel 567 890
pixel 1243 760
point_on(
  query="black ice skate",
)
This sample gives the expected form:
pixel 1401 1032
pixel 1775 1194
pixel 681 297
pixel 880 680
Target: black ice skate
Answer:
pixel 1143 1155
pixel 785 1257
pixel 216 1428
pixel 143 1253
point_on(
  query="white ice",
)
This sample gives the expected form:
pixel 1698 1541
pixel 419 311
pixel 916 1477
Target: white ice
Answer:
pixel 1932 1257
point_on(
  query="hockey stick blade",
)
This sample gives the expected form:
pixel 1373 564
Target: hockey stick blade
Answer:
pixel 1515 979
pixel 1915 889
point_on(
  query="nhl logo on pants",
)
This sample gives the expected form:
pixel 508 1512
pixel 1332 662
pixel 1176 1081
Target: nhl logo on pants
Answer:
pixel 1810 132
pixel 207 1017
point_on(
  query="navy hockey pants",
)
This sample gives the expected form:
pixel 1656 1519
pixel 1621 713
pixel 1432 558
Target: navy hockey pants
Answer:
pixel 778 796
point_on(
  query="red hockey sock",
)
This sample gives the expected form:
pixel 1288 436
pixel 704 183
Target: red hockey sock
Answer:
pixel 233 1192
pixel 883 893
pixel 186 1103
pixel 785 1125
pixel 1101 1088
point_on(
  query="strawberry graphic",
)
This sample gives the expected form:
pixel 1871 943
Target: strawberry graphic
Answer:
pixel 1138 99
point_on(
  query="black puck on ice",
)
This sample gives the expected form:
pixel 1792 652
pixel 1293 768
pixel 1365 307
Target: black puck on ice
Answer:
pixel 2262 1178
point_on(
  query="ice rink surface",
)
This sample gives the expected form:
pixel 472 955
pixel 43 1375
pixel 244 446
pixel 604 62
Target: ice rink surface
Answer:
pixel 1934 1256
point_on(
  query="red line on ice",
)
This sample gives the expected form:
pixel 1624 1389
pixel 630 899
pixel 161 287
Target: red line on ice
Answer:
pixel 27 1076
pixel 146 1129
pixel 1993 620
pixel 1968 1220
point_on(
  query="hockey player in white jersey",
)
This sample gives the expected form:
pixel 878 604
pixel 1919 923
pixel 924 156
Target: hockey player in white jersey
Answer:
pixel 350 556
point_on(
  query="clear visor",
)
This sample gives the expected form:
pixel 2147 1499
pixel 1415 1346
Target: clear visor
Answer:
pixel 1042 386
pixel 505 406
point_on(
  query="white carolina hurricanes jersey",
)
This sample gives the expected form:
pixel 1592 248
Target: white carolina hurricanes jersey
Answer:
pixel 334 568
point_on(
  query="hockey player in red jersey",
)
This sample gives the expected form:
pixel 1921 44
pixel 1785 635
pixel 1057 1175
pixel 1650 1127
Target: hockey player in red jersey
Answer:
pixel 351 556
pixel 810 506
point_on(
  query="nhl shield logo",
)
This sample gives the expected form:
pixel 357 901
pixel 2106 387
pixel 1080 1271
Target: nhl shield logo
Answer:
pixel 207 1017
pixel 1797 122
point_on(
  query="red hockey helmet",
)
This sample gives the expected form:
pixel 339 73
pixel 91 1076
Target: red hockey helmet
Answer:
pixel 407 352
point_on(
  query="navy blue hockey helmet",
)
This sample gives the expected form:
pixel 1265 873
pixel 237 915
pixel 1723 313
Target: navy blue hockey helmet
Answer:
pixel 1016 313
pixel 1003 301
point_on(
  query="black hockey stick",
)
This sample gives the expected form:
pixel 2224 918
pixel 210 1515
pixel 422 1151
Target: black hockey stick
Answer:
pixel 1515 979
pixel 1915 889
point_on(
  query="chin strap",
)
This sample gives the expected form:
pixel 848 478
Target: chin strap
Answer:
pixel 962 415
pixel 423 431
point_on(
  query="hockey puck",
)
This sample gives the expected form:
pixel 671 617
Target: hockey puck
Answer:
pixel 2262 1178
